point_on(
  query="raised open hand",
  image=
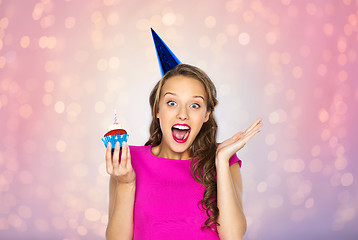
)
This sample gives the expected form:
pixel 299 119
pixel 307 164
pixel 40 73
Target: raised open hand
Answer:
pixel 229 147
pixel 122 171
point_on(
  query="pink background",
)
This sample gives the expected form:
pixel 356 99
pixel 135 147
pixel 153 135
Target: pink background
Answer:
pixel 66 65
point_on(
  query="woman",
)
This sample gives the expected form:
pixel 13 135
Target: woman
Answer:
pixel 181 185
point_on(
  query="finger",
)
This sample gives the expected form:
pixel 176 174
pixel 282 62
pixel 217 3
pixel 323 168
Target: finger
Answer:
pixel 258 121
pixel 129 160
pixel 109 165
pixel 249 136
pixel 124 155
pixel 116 158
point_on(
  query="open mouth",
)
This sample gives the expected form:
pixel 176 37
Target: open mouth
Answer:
pixel 180 132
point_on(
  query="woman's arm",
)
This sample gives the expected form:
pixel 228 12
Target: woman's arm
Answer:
pixel 122 188
pixel 229 185
pixel 229 199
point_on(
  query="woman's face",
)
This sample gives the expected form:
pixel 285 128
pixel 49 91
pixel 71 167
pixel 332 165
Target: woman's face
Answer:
pixel 182 112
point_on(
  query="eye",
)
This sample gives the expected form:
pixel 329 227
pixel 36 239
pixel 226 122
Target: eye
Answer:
pixel 171 103
pixel 195 105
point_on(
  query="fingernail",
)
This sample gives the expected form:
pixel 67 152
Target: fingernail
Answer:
pixel 124 144
pixel 117 144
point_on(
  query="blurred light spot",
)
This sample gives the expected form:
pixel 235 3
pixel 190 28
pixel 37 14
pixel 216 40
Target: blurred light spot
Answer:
pixel 15 221
pixel 270 139
pixel 328 29
pixel 61 146
pixel 51 42
pixel 340 163
pixel 333 141
pixel 342 59
pixel 275 201
pixel 286 2
pixel 262 187
pixel 47 21
pixel 102 64
pixel 96 17
pixel 294 165
pixel 50 66
pixel 353 19
pixel 221 38
pixel 41 225
pixel 326 134
pixel 96 36
pixel 114 62
pixel 80 170
pixel 290 94
pixel 25 177
pixel 111 2
pixel 100 107
pixel 297 72
pixel 316 150
pixel 73 110
pixel 335 179
pixel 244 38
pixel 278 116
pixel 270 89
pixel 2 61
pixel 347 179
pixel 25 111
pixel 81 230
pixel 232 29
pixel 285 58
pixel 92 214
pixel 323 115
pixel 305 51
pixel 49 85
pixel 327 55
pixel 342 44
pixel 59 223
pixel 24 211
pixel 231 5
pixel 272 156
pixel 4 22
pixel 169 19
pixel 340 151
pixel 59 107
pixel 38 10
pixel 47 99
pixel 248 16
pixel 112 19
pixel 210 22
pixel 321 69
pixel 143 24
pixel 309 203
pixel 81 56
pixel 271 38
pixel 204 41
pixel 311 9
pixel 348 29
pixel 70 22
pixel 24 42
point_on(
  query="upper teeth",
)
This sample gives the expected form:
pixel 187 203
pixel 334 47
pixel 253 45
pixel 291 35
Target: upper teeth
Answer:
pixel 181 127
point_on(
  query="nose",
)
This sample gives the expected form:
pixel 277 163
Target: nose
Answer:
pixel 183 113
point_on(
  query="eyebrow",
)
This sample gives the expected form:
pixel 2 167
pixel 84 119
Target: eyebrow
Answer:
pixel 177 95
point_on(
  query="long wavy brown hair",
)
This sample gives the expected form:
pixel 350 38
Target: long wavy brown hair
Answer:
pixel 203 149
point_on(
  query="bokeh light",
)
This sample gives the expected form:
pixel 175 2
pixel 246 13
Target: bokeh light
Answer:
pixel 66 65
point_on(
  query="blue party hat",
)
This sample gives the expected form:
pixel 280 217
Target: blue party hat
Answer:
pixel 167 59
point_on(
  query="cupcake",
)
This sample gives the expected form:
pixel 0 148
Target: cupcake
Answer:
pixel 115 134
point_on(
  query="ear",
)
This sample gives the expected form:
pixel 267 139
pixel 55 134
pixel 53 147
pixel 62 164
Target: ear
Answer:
pixel 207 115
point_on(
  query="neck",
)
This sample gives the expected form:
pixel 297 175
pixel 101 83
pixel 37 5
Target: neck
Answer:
pixel 165 152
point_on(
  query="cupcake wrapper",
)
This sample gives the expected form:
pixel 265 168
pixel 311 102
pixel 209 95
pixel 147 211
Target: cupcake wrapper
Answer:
pixel 115 138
